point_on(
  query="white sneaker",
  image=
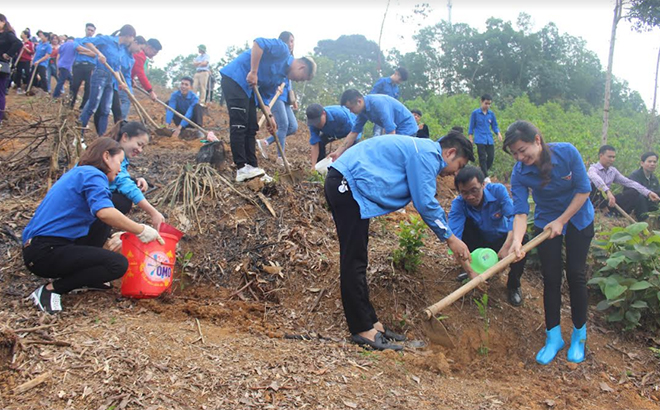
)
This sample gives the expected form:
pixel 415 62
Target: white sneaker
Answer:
pixel 262 144
pixel 47 300
pixel 486 180
pixel 248 172
pixel 280 161
pixel 267 179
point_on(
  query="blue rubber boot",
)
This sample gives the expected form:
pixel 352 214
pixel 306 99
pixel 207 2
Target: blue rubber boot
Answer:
pixel 578 341
pixel 553 344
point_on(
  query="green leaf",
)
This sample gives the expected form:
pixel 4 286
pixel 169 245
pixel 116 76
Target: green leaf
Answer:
pixel 658 295
pixel 641 285
pixel 596 280
pixel 621 237
pixel 614 262
pixel 646 250
pixel 633 316
pixel 637 228
pixel 603 305
pixel 613 291
pixel 615 316
pixel 639 304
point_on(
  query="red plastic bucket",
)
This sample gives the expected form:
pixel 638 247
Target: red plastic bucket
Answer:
pixel 150 265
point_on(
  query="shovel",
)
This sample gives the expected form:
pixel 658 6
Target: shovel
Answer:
pixel 34 72
pixel 439 334
pixel 288 176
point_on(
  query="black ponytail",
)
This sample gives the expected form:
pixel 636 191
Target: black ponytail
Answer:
pixel 130 128
pixel 126 31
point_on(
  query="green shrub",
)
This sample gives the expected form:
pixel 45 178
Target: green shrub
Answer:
pixel 629 279
pixel 411 239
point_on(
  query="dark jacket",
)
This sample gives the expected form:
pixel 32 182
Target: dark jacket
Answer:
pixel 9 44
pixel 651 184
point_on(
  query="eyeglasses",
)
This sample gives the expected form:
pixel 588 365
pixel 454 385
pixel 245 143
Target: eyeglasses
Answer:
pixel 471 192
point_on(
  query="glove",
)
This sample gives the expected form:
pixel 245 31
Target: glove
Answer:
pixel 149 234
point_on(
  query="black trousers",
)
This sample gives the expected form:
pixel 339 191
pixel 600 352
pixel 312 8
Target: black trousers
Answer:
pixel 552 264
pixel 81 72
pixel 474 238
pixel 99 232
pixel 116 110
pixel 629 200
pixel 197 116
pixel 42 82
pixel 242 122
pixel 22 73
pixel 486 157
pixel 74 266
pixel 353 234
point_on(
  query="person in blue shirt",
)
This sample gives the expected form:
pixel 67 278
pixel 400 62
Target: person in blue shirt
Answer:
pixel 282 110
pixel 482 217
pixel 121 104
pixel 327 124
pixel 560 187
pixel 267 64
pixel 83 67
pixel 382 110
pixel 65 56
pixel 376 177
pixel 389 86
pixel 41 59
pixel 108 49
pixel 55 240
pixel 185 102
pixel 482 121
pixel 133 137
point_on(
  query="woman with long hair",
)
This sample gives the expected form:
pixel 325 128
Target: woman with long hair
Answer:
pixel 9 48
pixel 109 50
pixel 557 177
pixel 22 74
pixel 55 243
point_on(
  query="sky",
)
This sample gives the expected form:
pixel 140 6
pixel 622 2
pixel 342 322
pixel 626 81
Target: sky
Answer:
pixel 181 26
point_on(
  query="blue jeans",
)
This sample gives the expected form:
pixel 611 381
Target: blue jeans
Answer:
pixel 124 103
pixel 286 123
pixel 63 75
pixel 100 98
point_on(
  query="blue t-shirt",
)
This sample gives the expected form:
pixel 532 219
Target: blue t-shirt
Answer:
pixel 70 207
pixel 41 50
pixel 273 67
pixel 82 58
pixel 109 46
pixel 568 178
pixel 386 86
pixel 387 112
pixel 494 218
pixel 385 174
pixel 67 53
pixel 183 104
pixel 338 123
pixel 126 62
pixel 125 185
pixel 480 126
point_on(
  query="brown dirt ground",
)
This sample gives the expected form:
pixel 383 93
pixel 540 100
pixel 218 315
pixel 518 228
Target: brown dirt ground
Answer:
pixel 229 334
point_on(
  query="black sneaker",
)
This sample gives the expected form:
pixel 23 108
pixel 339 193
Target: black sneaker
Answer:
pixel 515 297
pixel 379 342
pixel 47 300
pixel 97 286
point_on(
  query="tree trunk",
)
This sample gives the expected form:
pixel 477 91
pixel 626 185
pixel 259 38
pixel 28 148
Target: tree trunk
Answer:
pixel 655 89
pixel 652 126
pixel 618 8
pixel 380 36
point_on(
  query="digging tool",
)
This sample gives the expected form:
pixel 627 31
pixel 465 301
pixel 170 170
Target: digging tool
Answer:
pixel 209 134
pixel 434 328
pixel 433 310
pixel 18 59
pixel 625 214
pixel 272 102
pixel 142 113
pixel 289 176
pixel 34 72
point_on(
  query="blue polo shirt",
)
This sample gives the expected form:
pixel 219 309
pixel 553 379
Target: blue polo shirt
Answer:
pixel 494 217
pixel 386 86
pixel 183 104
pixel 126 62
pixel 385 174
pixel 81 58
pixel 273 67
pixel 109 46
pixel 125 185
pixel 481 125
pixel 569 177
pixel 339 122
pixel 70 207
pixel 387 112
pixel 41 50
pixel 67 53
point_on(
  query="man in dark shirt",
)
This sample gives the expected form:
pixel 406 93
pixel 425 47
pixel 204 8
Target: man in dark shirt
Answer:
pixel 645 176
pixel 423 131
